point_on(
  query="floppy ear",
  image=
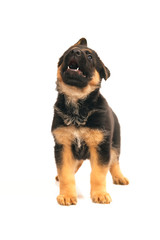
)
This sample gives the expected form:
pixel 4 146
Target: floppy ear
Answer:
pixel 102 69
pixel 60 61
pixel 82 41
pixel 105 73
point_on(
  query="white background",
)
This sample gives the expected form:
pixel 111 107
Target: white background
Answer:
pixel 33 35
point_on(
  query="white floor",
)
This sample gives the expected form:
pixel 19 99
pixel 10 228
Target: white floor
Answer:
pixel 29 210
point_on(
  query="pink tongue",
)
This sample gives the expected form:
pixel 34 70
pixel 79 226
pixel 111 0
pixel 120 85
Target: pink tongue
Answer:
pixel 77 70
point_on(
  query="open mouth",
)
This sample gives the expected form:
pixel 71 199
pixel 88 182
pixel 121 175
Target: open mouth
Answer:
pixel 74 67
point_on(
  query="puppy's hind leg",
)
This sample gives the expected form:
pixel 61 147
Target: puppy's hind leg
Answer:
pixel 115 171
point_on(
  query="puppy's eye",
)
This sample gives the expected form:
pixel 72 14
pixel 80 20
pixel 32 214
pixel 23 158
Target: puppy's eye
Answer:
pixel 89 57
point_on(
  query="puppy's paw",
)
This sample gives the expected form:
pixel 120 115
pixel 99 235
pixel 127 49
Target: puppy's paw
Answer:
pixel 101 197
pixel 120 180
pixel 66 200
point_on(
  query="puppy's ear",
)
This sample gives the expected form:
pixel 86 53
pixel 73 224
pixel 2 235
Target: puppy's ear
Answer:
pixel 102 69
pixel 82 41
pixel 105 73
pixel 60 61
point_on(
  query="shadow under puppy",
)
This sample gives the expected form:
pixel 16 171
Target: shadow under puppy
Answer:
pixel 84 126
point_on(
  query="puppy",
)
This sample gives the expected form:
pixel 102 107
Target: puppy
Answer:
pixel 84 126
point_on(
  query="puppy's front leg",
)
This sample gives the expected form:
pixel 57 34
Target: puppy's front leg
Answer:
pixel 66 170
pixel 98 178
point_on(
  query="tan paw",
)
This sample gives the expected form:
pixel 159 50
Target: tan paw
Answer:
pixel 66 200
pixel 101 197
pixel 120 180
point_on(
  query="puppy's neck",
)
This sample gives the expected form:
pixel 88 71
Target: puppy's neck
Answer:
pixel 74 94
pixel 72 103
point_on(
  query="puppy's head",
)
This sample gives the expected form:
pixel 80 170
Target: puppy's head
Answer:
pixel 81 67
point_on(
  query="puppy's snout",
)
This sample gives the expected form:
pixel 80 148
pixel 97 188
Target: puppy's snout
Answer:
pixel 76 52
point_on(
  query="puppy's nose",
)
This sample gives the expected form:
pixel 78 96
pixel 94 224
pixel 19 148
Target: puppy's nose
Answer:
pixel 76 52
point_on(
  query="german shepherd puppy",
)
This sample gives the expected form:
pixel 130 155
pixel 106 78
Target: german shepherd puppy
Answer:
pixel 84 126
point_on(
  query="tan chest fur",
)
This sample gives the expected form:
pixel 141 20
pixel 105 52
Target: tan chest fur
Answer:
pixel 66 135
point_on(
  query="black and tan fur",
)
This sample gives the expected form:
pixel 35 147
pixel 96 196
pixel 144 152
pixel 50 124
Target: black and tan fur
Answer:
pixel 84 126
